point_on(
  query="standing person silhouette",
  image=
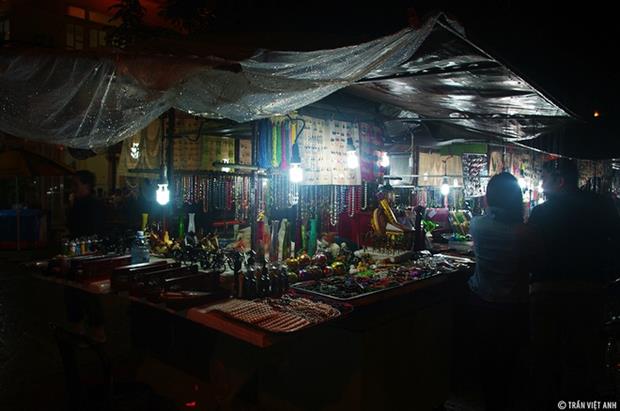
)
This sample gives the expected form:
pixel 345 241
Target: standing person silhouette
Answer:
pixel 498 298
pixel 576 238
pixel 84 218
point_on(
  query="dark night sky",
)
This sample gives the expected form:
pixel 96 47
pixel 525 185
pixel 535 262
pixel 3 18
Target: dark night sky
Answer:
pixel 565 50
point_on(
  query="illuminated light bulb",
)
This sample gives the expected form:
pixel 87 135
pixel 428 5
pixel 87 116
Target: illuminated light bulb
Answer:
pixel 596 114
pixel 445 187
pixel 540 188
pixel 522 183
pixel 296 173
pixel 163 194
pixel 352 160
pixel 425 176
pixel 385 160
pixel 225 169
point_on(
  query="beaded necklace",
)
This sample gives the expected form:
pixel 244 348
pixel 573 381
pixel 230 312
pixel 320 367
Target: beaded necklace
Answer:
pixel 364 205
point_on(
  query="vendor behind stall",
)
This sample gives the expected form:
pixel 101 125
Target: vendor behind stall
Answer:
pixel 84 218
pixel 85 214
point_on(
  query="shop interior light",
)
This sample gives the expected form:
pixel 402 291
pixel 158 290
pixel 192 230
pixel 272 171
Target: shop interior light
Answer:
pixel 445 187
pixel 162 194
pixel 295 172
pixel 353 160
pixel 522 183
pixel 385 160
pixel 225 169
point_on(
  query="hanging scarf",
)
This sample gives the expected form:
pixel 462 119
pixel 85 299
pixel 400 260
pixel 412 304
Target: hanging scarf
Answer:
pixel 284 130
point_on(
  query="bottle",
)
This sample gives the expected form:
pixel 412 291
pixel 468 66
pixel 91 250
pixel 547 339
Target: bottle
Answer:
pixel 264 284
pixel 140 249
pixel 191 225
pixel 181 226
pixel 72 248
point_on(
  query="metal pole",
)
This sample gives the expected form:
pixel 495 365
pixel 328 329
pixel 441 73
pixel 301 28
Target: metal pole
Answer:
pixel 169 153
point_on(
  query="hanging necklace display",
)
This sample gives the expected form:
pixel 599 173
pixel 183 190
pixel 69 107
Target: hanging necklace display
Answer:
pixel 351 193
pixel 293 194
pixel 237 187
pixel 178 190
pixel 333 210
pixel 217 193
pixel 205 194
pixel 303 203
pixel 229 193
pixel 185 189
pixel 364 205
pixel 342 196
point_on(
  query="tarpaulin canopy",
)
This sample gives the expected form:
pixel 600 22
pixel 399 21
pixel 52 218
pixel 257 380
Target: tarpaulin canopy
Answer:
pixel 432 72
pixel 453 86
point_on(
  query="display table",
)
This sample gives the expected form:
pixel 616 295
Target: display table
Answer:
pixel 391 353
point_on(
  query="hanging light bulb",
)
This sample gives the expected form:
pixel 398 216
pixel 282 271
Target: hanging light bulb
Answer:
pixel 353 160
pixel 295 172
pixel 445 187
pixel 385 160
pixel 225 169
pixel 163 194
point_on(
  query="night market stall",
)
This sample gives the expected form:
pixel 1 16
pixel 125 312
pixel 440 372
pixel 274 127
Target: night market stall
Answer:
pixel 298 209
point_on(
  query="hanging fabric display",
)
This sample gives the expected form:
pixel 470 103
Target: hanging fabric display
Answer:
pixel 474 167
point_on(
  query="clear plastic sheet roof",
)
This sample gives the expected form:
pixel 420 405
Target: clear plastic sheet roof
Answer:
pixel 89 101
pixel 451 84
pixel 94 100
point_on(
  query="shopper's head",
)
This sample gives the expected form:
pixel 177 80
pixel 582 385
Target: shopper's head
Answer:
pixel 83 183
pixel 559 175
pixel 504 195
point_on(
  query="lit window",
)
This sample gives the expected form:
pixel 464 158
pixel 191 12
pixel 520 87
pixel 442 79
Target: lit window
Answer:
pixel 77 12
pixel 98 17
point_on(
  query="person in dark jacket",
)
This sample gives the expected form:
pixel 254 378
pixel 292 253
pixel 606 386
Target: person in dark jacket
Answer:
pixel 576 238
pixel 84 218
pixel 85 215
pixel 498 298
